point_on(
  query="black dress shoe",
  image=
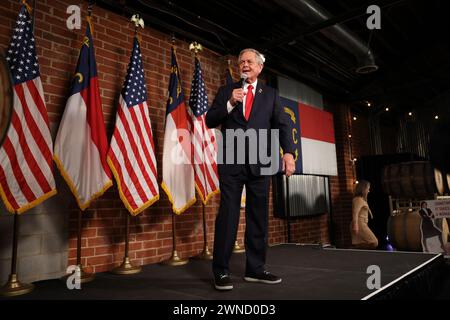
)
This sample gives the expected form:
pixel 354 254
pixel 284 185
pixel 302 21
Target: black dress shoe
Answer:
pixel 223 282
pixel 264 277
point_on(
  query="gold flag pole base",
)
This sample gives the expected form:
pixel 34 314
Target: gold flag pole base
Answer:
pixel 237 248
pixel 126 268
pixel 205 255
pixel 15 288
pixel 86 276
pixel 175 260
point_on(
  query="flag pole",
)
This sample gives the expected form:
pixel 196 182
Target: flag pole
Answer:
pixel 175 260
pixel 84 276
pixel 205 254
pixel 126 267
pixel 237 248
pixel 13 286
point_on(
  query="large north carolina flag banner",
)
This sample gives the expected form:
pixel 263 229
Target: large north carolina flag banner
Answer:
pixel 132 152
pixel 312 132
pixel 318 147
pixel 178 170
pixel 26 168
pixel 81 144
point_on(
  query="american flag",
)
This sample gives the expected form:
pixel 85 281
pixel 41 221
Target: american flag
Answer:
pixel 131 156
pixel 203 139
pixel 26 168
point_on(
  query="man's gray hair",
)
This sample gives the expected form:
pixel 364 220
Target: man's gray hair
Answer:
pixel 259 56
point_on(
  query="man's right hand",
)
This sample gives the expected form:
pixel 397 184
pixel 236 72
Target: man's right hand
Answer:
pixel 237 96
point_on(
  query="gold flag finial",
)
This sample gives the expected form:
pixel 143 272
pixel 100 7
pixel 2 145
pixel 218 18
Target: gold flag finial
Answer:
pixel 195 47
pixel 138 21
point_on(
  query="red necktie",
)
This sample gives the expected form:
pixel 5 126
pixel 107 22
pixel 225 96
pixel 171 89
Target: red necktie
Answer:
pixel 248 102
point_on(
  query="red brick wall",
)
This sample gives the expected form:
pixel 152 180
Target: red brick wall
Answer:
pixel 104 221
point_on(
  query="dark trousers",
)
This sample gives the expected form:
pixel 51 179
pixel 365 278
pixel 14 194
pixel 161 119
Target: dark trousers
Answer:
pixel 256 216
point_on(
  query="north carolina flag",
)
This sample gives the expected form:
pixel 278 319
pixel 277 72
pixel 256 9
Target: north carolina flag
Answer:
pixel 81 144
pixel 178 170
pixel 312 133
pixel 318 147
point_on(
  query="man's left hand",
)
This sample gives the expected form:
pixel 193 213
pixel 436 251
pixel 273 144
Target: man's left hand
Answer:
pixel 288 164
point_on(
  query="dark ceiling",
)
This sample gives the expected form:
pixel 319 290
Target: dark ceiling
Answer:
pixel 410 49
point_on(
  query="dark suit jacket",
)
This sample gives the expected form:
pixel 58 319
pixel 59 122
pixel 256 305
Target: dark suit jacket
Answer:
pixel 266 113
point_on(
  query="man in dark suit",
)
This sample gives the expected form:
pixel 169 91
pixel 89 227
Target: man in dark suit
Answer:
pixel 247 108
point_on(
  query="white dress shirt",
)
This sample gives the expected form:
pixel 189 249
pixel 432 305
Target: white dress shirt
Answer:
pixel 254 84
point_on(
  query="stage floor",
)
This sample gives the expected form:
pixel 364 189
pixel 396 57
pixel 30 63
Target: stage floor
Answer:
pixel 308 272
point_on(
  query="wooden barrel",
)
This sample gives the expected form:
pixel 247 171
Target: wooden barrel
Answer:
pixel 404 231
pixel 447 184
pixel 416 179
pixel 5 98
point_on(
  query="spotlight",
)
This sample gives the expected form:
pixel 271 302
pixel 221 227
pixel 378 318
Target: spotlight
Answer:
pixel 436 117
pixel 354 118
pixel 387 109
pixel 410 114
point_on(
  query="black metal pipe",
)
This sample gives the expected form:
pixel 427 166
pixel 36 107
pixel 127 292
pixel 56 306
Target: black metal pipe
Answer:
pixel 322 21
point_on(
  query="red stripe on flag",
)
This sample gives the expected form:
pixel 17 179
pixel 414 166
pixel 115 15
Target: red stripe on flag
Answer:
pixel 34 129
pixel 150 136
pixel 316 124
pixel 183 121
pixel 94 117
pixel 137 126
pixel 17 172
pixel 123 186
pixel 38 100
pixel 9 196
pixel 126 159
pixel 28 155
pixel 209 178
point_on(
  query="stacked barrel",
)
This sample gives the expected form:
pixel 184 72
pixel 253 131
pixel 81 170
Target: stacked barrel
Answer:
pixel 412 180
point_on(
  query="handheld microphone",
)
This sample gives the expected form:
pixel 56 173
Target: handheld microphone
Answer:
pixel 244 77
